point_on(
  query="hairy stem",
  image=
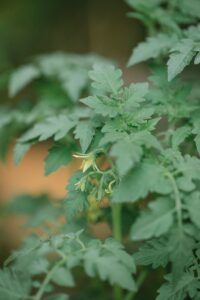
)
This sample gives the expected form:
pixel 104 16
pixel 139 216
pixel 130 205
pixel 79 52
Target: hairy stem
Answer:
pixel 81 244
pixel 177 200
pixel 139 282
pixel 116 221
pixel 117 234
pixel 48 277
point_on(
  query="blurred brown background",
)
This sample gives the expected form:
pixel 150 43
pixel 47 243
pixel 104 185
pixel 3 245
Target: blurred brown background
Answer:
pixel 28 28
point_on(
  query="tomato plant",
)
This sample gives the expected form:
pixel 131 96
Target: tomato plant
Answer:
pixel 138 145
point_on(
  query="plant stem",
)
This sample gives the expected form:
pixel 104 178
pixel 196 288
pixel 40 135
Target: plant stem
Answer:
pixel 177 200
pixel 139 282
pixel 81 244
pixel 48 277
pixel 116 221
pixel 117 234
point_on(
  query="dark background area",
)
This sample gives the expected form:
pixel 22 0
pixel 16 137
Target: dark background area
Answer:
pixel 32 27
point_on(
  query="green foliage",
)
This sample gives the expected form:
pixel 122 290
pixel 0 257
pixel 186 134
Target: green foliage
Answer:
pixel 84 132
pixel 106 79
pixel 181 55
pixel 192 205
pixel 20 150
pixel 132 187
pixel 153 47
pixel 13 285
pixel 56 127
pixel 154 252
pixel 76 200
pixel 139 145
pixel 70 251
pixel 187 284
pixel 113 254
pixel 155 222
pixel 69 69
pixel 50 86
pixel 21 78
pixel 58 156
pixel 39 209
pixel 167 37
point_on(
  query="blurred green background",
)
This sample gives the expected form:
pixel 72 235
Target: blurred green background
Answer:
pixel 30 27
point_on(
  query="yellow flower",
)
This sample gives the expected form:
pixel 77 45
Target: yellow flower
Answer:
pixel 80 185
pixel 88 160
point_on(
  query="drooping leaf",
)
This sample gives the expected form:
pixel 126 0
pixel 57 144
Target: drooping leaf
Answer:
pixel 146 177
pixel 179 135
pixel 181 246
pixel 20 150
pixel 169 291
pixel 181 55
pixel 154 222
pixel 59 155
pixel 21 77
pixel 99 264
pixel 63 277
pixel 84 132
pixel 193 206
pixel 118 250
pixel 154 252
pixel 127 154
pixel 56 127
pixel 151 48
pixel 14 285
pixel 189 166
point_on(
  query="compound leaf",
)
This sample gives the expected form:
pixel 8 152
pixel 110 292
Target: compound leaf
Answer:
pixel 144 178
pixel 127 154
pixel 13 285
pixel 169 291
pixel 155 253
pixel 155 221
pixel 106 78
pixel 180 57
pixel 151 48
pixel 56 127
pixel 104 107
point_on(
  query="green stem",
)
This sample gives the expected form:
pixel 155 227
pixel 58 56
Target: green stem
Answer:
pixel 177 200
pixel 139 282
pixel 81 244
pixel 48 277
pixel 117 234
pixel 116 221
